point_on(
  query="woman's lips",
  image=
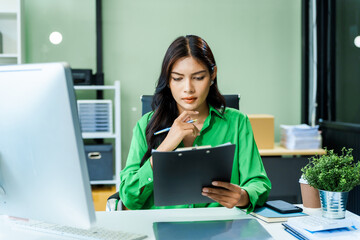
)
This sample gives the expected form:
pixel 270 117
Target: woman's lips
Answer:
pixel 189 99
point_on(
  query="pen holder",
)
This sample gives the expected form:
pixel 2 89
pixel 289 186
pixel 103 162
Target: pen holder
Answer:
pixel 310 196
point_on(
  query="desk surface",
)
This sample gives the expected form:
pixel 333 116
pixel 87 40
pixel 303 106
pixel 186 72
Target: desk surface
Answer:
pixel 280 151
pixel 141 221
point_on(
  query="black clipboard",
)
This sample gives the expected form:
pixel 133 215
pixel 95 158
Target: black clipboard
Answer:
pixel 179 176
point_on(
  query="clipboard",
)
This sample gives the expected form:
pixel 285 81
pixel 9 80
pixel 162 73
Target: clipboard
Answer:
pixel 179 176
pixel 240 229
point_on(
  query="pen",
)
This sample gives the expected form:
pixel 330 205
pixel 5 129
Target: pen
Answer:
pixel 168 129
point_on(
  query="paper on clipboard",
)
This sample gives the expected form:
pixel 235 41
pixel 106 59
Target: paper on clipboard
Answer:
pixel 179 176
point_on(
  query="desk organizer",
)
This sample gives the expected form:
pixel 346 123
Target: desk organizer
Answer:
pixel 95 116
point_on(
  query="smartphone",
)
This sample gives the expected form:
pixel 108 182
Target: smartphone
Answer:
pixel 282 206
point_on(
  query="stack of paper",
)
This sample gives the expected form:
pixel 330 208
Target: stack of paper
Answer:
pixel 300 137
pixel 317 227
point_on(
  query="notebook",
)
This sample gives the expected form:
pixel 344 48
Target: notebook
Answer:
pixel 268 215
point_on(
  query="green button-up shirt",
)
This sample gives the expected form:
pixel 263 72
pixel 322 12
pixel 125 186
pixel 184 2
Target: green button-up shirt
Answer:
pixel 136 187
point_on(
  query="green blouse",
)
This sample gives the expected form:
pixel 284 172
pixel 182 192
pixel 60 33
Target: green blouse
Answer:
pixel 136 187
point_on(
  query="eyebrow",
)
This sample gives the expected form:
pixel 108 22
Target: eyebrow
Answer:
pixel 191 74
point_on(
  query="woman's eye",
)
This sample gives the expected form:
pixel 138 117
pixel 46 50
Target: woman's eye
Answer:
pixel 176 79
pixel 199 78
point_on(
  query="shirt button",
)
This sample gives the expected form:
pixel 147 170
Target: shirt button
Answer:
pixel 149 179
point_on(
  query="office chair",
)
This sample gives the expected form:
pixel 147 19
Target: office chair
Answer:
pixel 231 100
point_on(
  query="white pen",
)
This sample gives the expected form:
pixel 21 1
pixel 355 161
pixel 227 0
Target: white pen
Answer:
pixel 168 129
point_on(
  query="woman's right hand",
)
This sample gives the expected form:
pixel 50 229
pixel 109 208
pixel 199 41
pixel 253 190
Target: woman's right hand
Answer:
pixel 179 130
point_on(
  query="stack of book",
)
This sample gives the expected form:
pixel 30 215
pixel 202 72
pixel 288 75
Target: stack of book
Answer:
pixel 317 227
pixel 300 137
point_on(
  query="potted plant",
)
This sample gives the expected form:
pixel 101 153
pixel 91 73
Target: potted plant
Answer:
pixel 334 176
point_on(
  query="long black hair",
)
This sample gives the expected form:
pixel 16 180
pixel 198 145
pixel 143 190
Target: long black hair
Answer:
pixel 163 104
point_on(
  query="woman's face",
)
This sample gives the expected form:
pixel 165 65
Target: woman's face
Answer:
pixel 189 84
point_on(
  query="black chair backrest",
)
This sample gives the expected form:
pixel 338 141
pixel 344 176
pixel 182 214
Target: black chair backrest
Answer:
pixel 146 101
pixel 232 100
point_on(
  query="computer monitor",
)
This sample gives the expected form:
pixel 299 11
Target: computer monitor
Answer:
pixel 43 172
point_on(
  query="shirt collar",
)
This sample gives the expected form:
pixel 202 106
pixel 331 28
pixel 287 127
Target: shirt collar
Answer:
pixel 216 111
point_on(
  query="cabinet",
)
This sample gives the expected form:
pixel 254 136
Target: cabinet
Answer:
pixel 11 29
pixel 116 133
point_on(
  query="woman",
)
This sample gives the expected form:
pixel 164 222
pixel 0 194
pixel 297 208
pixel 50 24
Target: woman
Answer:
pixel 187 90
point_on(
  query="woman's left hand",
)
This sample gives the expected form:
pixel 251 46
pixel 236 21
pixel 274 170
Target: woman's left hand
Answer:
pixel 229 195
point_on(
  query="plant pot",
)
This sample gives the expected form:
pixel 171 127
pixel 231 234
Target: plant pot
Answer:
pixel 310 196
pixel 333 204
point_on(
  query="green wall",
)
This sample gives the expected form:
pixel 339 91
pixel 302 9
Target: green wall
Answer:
pixel 256 45
pixel 74 19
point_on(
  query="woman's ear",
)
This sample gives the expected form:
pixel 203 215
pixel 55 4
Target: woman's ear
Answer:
pixel 214 72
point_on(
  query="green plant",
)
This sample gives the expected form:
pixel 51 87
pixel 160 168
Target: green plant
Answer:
pixel 331 172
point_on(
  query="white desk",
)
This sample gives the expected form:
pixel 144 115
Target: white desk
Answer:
pixel 141 221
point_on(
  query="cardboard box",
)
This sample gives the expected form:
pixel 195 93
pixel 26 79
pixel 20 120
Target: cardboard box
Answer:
pixel 100 195
pixel 263 128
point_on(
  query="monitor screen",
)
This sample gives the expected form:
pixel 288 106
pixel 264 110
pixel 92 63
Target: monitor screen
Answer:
pixel 43 172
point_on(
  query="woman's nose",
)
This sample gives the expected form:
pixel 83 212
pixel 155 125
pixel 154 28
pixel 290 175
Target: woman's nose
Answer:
pixel 188 86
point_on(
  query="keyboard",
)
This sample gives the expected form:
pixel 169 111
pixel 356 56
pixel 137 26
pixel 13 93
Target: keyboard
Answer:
pixel 94 233
pixel 318 223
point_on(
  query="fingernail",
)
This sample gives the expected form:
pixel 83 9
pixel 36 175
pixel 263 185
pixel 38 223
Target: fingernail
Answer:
pixel 215 183
pixel 205 194
pixel 205 190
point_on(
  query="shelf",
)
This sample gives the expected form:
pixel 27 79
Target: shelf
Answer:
pixel 98 135
pixel 116 134
pixel 12 31
pixel 104 182
pixel 94 87
pixel 8 55
pixel 8 13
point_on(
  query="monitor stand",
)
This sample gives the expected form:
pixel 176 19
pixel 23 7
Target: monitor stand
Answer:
pixel 2 191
